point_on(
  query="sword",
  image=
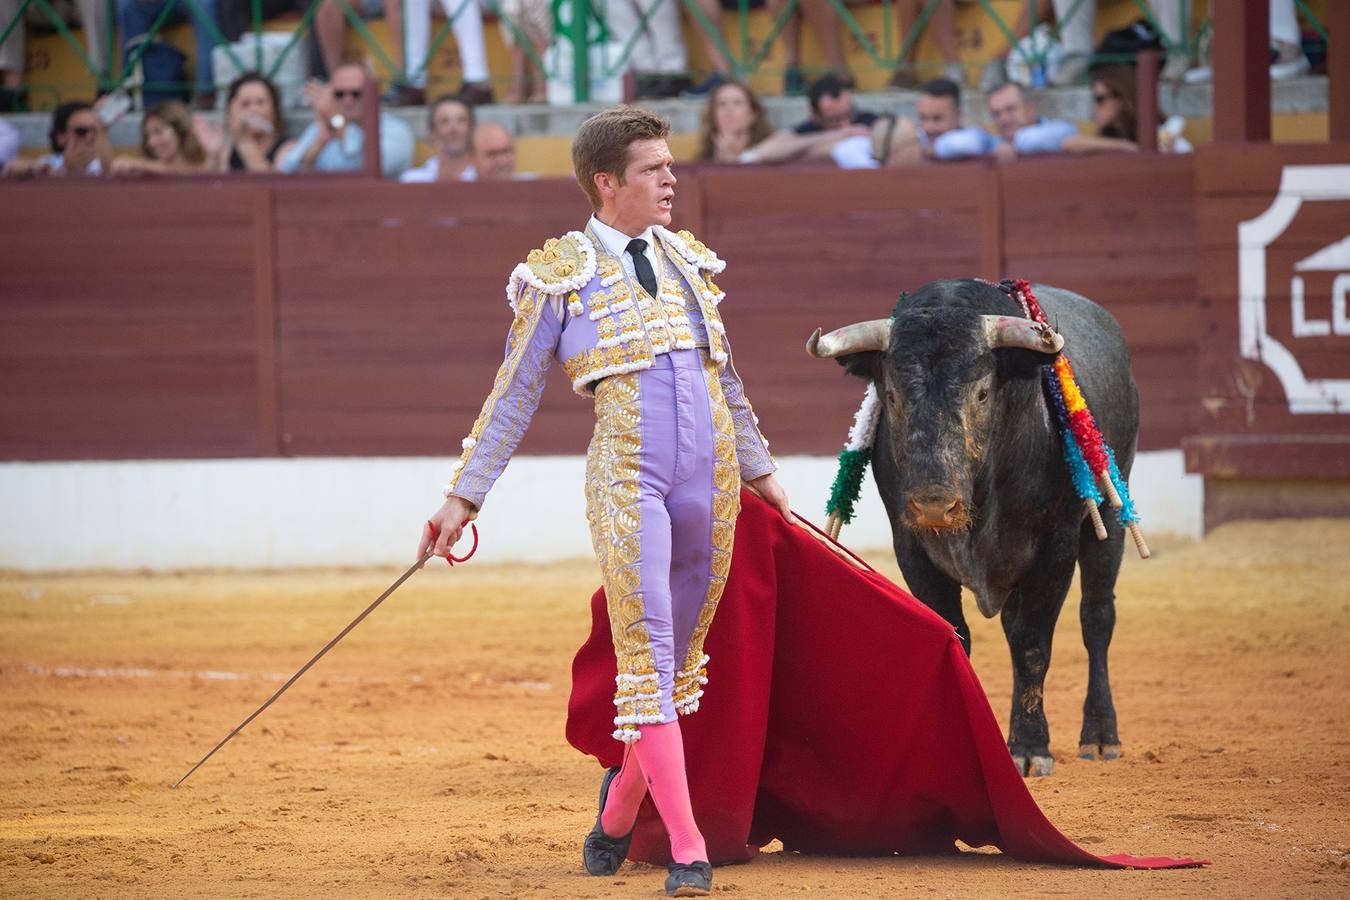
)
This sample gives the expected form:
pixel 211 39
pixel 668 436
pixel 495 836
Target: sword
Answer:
pixel 450 558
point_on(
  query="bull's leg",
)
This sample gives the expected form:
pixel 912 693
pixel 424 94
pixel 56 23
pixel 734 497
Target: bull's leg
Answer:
pixel 1099 562
pixel 1029 623
pixel 931 585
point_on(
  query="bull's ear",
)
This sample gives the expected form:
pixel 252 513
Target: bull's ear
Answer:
pixel 865 365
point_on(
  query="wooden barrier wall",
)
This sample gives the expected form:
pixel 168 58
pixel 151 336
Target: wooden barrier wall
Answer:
pixel 1271 433
pixel 335 316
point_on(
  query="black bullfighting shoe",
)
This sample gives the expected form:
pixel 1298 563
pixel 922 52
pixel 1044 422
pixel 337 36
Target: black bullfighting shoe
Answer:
pixel 602 854
pixel 689 879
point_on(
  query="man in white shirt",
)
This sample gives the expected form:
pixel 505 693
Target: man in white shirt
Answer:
pixel 450 125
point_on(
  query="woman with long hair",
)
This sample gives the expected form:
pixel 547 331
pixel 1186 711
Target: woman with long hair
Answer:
pixel 254 133
pixel 169 144
pixel 733 122
pixel 1115 113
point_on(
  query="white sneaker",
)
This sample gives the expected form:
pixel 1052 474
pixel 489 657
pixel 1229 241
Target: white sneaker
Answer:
pixel 1295 68
pixel 1199 75
pixel 1279 71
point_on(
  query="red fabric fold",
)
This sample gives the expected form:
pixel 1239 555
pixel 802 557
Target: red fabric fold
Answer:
pixel 841 717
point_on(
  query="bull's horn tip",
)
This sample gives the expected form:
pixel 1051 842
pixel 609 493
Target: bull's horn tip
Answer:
pixel 813 342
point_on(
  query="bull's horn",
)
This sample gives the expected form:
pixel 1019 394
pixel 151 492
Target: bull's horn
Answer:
pixel 1010 331
pixel 856 338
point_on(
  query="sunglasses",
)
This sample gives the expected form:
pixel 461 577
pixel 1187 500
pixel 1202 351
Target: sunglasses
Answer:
pixel 82 131
pixel 343 95
pixel 1099 99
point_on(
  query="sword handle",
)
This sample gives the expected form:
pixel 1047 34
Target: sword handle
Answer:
pixel 451 558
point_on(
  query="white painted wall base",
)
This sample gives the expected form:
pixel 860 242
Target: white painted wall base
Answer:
pixel 278 513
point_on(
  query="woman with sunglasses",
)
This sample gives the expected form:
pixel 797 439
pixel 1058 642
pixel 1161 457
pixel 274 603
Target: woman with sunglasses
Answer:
pixel 1114 113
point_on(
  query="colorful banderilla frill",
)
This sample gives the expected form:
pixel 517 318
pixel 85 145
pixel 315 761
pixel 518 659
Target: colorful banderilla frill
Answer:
pixel 853 460
pixel 1091 461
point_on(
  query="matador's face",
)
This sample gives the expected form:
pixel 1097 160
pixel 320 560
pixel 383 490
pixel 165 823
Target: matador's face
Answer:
pixel 646 193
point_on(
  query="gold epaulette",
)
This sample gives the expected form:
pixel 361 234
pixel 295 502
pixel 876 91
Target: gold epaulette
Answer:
pixel 562 265
pixel 692 250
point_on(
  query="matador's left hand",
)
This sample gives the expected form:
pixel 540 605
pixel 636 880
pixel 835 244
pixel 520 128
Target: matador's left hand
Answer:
pixel 768 487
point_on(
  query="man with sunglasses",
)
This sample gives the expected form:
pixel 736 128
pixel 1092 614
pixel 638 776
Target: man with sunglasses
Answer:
pixel 79 145
pixel 335 141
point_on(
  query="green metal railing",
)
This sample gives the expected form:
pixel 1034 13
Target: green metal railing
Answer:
pixel 582 24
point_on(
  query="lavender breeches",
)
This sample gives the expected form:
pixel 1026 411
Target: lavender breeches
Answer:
pixel 662 495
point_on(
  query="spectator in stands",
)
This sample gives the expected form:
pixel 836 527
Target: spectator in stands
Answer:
pixel 891 142
pixel 833 118
pixel 135 18
pixel 733 122
pixel 79 145
pixel 995 70
pixel 1286 43
pixel 1018 121
pixel 330 28
pixel 169 146
pixel 254 134
pixel 943 28
pixel 658 59
pixel 494 152
pixel 831 99
pixel 711 10
pixel 92 17
pixel 527 22
pixel 1076 29
pixel 940 134
pixel 450 125
pixel 9 143
pixel 1114 112
pixel 11 51
pixel 335 140
pixel 466 23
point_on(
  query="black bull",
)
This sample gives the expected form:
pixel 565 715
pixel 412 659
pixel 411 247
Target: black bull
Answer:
pixel 970 466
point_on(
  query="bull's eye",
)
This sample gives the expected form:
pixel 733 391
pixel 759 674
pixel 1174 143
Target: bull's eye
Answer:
pixel 983 395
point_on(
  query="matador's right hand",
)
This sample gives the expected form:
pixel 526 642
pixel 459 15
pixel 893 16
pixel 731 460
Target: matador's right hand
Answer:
pixel 445 526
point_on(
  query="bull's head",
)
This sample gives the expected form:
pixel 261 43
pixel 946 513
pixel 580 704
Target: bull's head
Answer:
pixel 940 380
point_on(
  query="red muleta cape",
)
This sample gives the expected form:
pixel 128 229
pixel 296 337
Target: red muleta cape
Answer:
pixel 841 717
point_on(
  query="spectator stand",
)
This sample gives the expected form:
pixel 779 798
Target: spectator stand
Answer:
pixel 61 68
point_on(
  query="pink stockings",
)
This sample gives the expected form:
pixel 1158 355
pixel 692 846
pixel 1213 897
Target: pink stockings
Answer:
pixel 655 762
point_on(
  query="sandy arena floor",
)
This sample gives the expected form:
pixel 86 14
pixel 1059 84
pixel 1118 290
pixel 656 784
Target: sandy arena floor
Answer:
pixel 426 754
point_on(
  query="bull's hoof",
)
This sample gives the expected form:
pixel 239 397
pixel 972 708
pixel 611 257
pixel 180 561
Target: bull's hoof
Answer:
pixel 1034 766
pixel 1104 752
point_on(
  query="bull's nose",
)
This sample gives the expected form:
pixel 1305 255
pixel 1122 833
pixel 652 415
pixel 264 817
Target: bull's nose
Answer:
pixel 930 510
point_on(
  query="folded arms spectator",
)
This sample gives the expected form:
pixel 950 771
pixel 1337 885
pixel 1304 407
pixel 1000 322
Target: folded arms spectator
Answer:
pixel 1018 121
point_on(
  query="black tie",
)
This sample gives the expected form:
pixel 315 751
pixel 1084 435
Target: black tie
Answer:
pixel 646 277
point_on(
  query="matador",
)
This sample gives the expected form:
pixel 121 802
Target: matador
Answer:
pixel 630 308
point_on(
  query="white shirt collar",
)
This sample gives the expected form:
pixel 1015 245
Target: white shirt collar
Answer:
pixel 616 242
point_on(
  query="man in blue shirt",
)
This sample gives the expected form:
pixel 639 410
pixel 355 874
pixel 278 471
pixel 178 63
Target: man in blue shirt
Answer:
pixel 334 141
pixel 1019 123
